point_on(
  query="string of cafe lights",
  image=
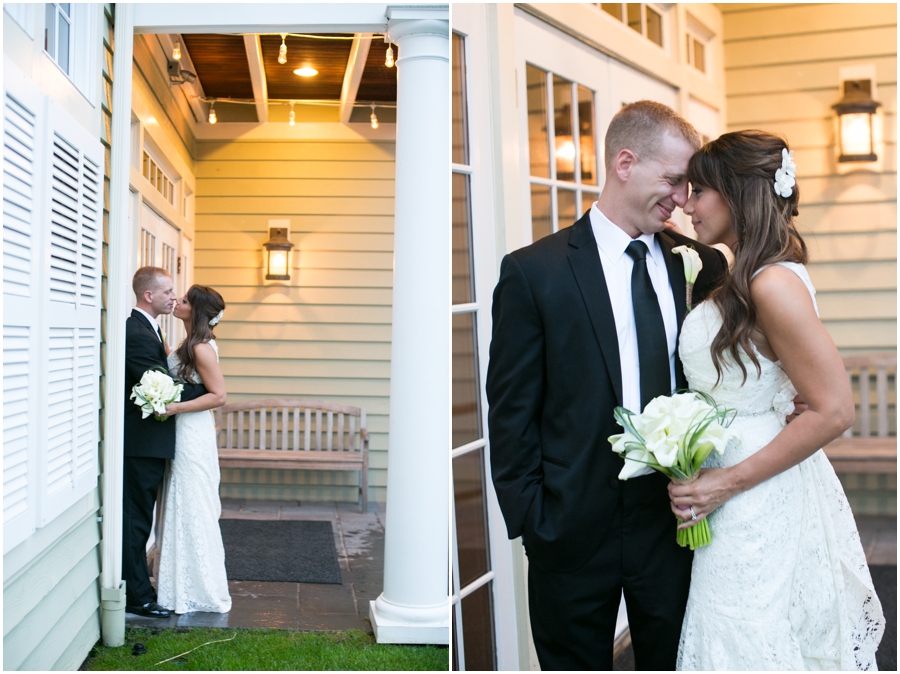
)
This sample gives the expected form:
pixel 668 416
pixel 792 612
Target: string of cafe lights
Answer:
pixel 282 50
pixel 292 119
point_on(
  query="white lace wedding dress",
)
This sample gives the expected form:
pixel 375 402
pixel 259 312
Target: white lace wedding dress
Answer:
pixel 784 584
pixel 192 559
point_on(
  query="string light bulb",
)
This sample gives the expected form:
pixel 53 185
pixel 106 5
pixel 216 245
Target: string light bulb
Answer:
pixel 373 118
pixel 292 119
pixel 176 50
pixel 306 71
pixel 389 57
pixel 212 113
pixel 282 50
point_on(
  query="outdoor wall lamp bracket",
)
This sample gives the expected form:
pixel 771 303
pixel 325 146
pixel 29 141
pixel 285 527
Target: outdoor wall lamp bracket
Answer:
pixel 856 122
pixel 277 254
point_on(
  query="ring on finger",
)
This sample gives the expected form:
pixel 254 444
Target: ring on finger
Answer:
pixel 693 514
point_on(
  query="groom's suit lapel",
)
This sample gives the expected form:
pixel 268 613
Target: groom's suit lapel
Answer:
pixel 585 261
pixel 675 266
pixel 143 319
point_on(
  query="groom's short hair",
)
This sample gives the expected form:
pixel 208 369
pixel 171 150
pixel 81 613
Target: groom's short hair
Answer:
pixel 147 278
pixel 640 127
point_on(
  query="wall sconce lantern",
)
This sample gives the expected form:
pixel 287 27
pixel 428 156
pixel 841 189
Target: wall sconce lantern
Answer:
pixel 856 122
pixel 278 255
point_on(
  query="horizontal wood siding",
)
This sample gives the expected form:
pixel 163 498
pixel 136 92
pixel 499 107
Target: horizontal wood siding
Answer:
pixel 781 74
pixel 328 333
pixel 51 607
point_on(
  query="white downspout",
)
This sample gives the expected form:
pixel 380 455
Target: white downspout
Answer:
pixel 112 587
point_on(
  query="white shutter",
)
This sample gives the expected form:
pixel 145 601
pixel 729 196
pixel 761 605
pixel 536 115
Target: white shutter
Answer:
pixel 23 118
pixel 70 459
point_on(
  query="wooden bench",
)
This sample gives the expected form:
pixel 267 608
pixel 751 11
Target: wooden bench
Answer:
pixel 295 434
pixel 869 447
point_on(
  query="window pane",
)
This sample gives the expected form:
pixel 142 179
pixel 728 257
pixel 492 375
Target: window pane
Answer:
pixel 688 53
pixel 466 400
pixel 471 516
pixel 699 56
pixel 654 26
pixel 538 140
pixel 455 644
pixel 587 200
pixel 50 30
pixel 634 16
pixel 478 630
pixel 64 6
pixel 614 8
pixel 460 135
pixel 564 145
pixel 463 288
pixel 586 133
pixel 63 56
pixel 540 212
pixel 565 202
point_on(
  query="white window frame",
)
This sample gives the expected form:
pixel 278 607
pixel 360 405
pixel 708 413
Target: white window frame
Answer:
pixel 698 32
pixel 470 24
pixel 84 31
pixel 659 9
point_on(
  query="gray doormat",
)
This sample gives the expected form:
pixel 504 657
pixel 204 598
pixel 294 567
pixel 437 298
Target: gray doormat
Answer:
pixel 280 551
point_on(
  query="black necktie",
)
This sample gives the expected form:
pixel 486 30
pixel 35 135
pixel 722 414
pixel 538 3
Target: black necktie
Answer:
pixel 653 348
pixel 159 332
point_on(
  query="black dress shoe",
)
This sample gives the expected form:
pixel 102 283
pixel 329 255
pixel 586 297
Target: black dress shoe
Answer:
pixel 151 610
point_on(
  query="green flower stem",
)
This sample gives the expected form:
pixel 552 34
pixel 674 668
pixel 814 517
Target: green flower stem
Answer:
pixel 694 537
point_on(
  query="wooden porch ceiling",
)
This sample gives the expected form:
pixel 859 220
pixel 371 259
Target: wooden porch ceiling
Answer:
pixel 351 74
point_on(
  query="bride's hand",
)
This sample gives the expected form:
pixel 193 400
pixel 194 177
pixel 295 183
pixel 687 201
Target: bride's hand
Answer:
pixel 171 409
pixel 710 490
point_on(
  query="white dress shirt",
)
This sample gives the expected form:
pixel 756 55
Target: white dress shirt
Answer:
pixel 617 266
pixel 153 322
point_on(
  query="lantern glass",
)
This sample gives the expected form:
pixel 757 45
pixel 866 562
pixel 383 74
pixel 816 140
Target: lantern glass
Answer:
pixel 278 263
pixel 856 134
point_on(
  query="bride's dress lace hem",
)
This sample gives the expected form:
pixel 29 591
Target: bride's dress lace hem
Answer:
pixel 784 584
pixel 192 558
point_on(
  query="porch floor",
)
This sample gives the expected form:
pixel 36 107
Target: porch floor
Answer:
pixel 359 541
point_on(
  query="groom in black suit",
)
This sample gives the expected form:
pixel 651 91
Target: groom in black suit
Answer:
pixel 148 442
pixel 585 320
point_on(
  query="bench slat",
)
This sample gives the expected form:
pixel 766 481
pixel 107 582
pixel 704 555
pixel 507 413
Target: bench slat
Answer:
pixel 865 424
pixel 881 400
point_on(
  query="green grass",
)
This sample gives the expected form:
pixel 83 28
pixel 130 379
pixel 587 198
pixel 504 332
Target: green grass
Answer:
pixel 262 650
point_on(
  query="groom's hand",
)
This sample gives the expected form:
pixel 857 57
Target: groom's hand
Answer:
pixel 711 489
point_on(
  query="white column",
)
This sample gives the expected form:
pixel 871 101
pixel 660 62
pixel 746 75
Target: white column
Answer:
pixel 118 290
pixel 414 607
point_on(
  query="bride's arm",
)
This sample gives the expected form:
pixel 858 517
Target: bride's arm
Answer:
pixel 786 315
pixel 211 374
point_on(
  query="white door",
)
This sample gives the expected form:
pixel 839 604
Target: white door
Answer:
pixel 158 247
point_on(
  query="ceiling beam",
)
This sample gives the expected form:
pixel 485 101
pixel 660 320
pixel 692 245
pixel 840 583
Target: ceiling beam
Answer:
pixel 257 77
pixel 356 63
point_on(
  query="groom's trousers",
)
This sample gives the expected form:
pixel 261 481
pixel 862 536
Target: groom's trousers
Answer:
pixel 573 613
pixel 141 480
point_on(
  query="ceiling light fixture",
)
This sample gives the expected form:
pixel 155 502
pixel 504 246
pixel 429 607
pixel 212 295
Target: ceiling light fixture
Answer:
pixel 292 119
pixel 212 113
pixel 282 50
pixel 389 56
pixel 306 71
pixel 176 50
pixel 373 118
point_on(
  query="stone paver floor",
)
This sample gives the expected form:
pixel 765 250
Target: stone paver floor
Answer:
pixel 359 541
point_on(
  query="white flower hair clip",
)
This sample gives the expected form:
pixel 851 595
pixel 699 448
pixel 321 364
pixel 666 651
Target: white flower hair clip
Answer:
pixel 784 177
pixel 217 318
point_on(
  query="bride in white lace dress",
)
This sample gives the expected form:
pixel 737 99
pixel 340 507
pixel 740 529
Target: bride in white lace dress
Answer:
pixel 192 559
pixel 784 584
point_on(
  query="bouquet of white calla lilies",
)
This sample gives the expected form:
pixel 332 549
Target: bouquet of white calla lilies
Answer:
pixel 674 435
pixel 692 266
pixel 155 390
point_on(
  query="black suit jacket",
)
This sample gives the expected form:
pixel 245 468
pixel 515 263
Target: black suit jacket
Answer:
pixel 143 351
pixel 553 381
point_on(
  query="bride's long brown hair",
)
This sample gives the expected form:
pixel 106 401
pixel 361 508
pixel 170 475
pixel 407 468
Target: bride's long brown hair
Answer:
pixel 741 167
pixel 206 304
